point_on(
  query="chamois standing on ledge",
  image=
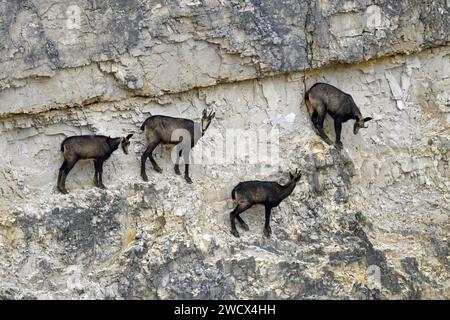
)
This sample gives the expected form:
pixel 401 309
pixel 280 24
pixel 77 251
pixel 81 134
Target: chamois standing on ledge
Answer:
pixel 184 133
pixel 98 148
pixel 323 98
pixel 270 194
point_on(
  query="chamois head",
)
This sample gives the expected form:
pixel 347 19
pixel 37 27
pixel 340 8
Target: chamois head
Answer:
pixel 125 142
pixel 359 123
pixel 295 176
pixel 206 120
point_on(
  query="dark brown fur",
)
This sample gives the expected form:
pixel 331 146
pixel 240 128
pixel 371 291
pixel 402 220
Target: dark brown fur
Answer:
pixel 169 130
pixel 323 98
pixel 270 194
pixel 98 148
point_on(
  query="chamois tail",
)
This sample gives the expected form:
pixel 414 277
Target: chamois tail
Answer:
pixel 233 193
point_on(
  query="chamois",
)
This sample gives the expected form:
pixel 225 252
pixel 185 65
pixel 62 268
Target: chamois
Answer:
pixel 168 130
pixel 98 148
pixel 270 194
pixel 323 98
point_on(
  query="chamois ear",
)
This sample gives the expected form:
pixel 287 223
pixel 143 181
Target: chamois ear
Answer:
pixel 367 119
pixel 129 136
pixel 291 176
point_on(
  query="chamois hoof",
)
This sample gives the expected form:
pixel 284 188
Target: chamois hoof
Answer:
pixel 144 177
pixel 235 233
pixel 62 190
pixel 158 169
pixel 339 145
pixel 177 170
pixel 103 187
pixel 188 179
pixel 267 232
pixel 245 226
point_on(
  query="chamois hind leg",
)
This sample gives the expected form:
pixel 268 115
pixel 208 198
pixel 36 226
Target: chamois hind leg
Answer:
pixel 60 175
pixel 186 154
pixel 64 171
pixel 267 229
pixel 96 174
pixel 152 160
pixel 148 154
pixel 338 129
pixel 234 215
pixel 242 222
pixel 318 118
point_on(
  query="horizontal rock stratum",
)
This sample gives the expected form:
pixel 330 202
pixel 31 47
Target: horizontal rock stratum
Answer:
pixel 370 222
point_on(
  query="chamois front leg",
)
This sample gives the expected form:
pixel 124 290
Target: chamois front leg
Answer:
pixel 267 229
pixel 61 181
pixel 233 215
pixel 338 129
pixel 99 163
pixel 96 174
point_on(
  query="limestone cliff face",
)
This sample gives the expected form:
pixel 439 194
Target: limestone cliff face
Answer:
pixel 368 222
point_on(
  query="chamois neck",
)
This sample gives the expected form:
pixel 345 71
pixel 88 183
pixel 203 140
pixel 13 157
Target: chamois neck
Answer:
pixel 287 189
pixel 356 113
pixel 113 143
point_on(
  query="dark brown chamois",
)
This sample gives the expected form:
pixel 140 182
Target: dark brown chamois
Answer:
pixel 323 98
pixel 168 130
pixel 270 194
pixel 98 148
